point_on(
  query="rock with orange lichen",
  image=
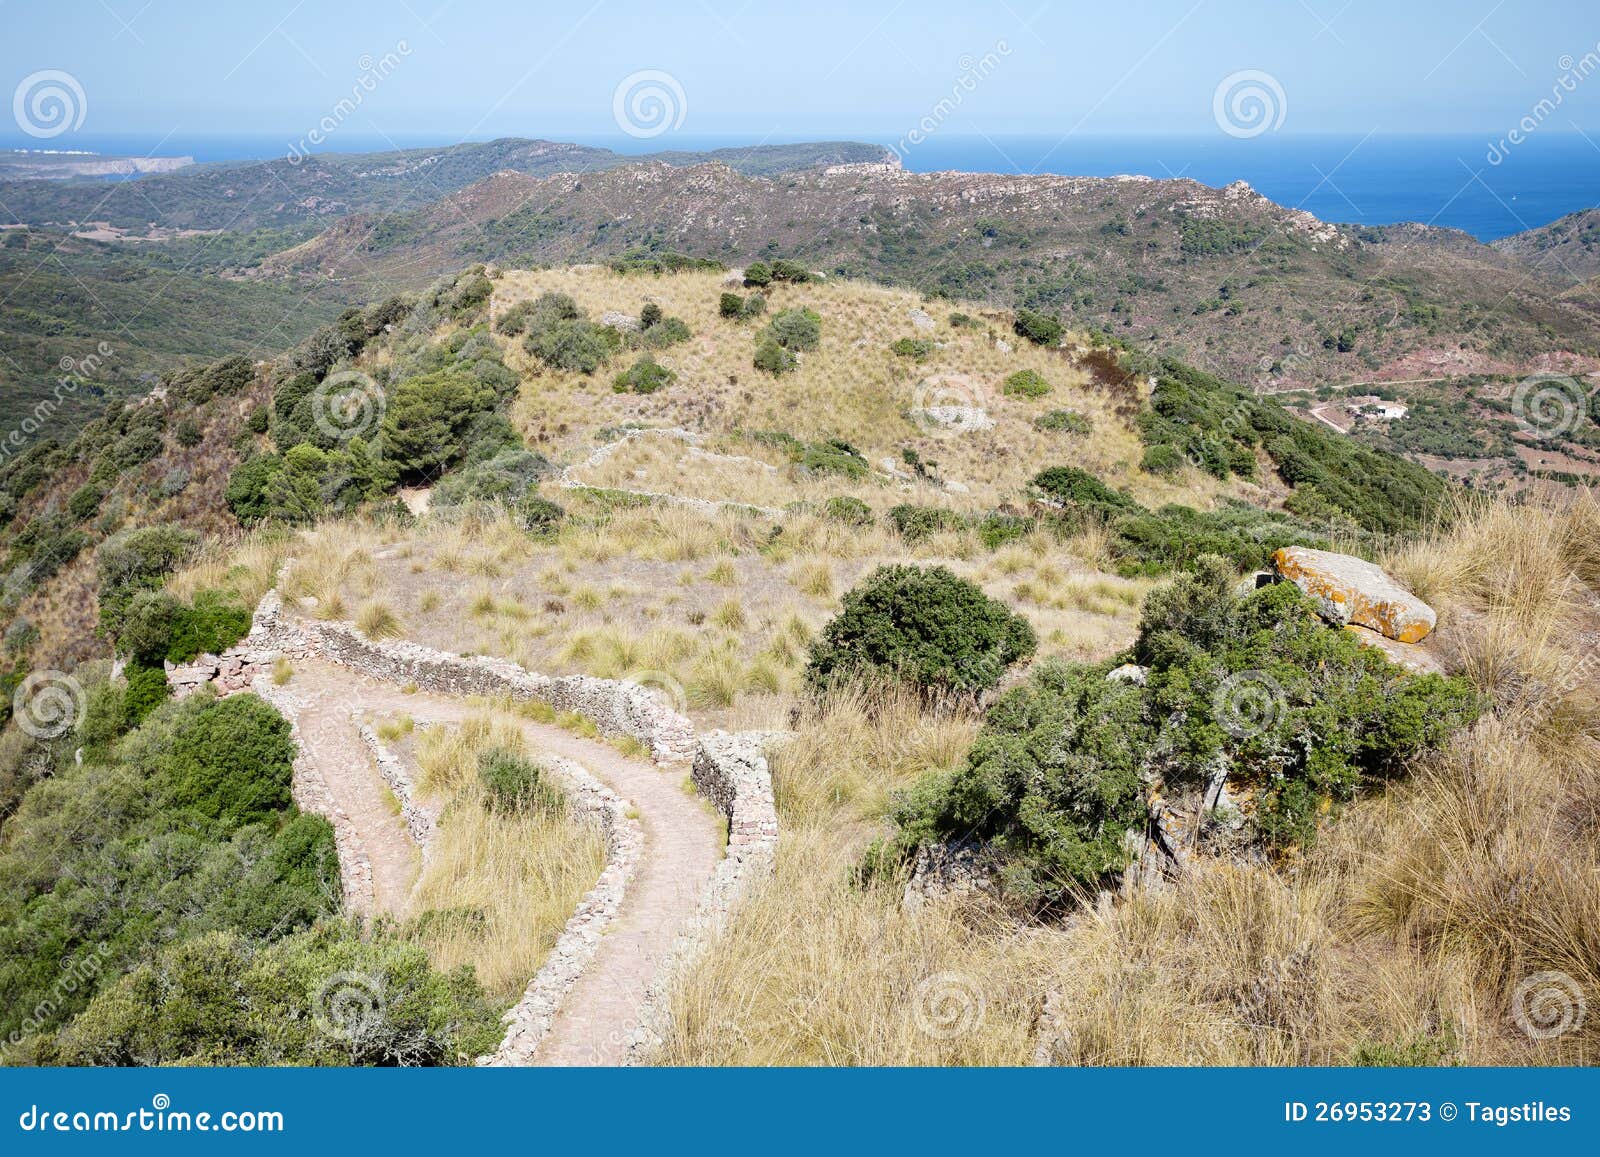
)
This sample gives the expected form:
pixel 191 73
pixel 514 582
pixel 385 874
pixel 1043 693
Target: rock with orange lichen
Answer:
pixel 1351 590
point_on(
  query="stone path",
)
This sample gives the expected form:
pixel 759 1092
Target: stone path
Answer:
pixel 683 845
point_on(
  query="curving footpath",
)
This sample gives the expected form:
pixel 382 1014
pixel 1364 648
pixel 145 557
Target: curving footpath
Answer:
pixel 669 884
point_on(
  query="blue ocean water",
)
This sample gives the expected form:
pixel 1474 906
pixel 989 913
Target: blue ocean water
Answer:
pixel 1449 181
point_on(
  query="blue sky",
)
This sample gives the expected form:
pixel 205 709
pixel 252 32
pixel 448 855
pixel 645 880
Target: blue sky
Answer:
pixel 485 68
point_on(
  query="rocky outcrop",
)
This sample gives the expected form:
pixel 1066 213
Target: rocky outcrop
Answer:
pixel 1351 590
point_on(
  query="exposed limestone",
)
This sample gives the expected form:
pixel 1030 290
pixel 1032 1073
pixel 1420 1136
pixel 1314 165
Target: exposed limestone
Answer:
pixel 1352 590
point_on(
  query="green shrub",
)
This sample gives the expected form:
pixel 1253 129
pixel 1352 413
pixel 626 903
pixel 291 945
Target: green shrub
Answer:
pixel 211 625
pixel 85 501
pixel 793 271
pixel 730 305
pixel 576 346
pixel 232 763
pixel 917 348
pixel 1026 384
pixel 513 783
pixel 506 477
pixel 835 456
pixel 755 305
pixel 1063 422
pixel 1039 328
pixel 258 420
pixel 186 825
pixel 757 274
pixel 540 516
pixel 1298 713
pixel 426 422
pixel 925 627
pixel 918 522
pixel 996 529
pixel 1162 460
pixel 964 321
pixel 848 510
pixel 645 376
pixel 668 331
pixel 146 688
pixel 188 433
pixel 796 329
pixel 661 261
pixel 137 560
pixel 333 995
pixel 772 357
pixel 1079 490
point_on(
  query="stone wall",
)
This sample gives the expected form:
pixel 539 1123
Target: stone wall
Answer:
pixel 731 771
pixel 312 794
pixel 530 1019
pixel 616 707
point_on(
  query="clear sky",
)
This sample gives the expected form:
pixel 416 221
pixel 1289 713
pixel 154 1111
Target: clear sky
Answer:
pixel 476 68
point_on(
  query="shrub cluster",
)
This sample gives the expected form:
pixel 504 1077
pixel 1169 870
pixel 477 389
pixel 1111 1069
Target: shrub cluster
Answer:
pixel 1026 384
pixel 924 627
pixel 1057 776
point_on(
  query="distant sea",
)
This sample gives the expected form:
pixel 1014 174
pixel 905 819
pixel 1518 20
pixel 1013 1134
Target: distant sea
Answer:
pixel 1445 181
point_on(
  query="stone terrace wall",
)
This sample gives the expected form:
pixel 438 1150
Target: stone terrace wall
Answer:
pixel 728 769
pixel 615 706
pixel 531 1018
pixel 312 794
pixel 731 771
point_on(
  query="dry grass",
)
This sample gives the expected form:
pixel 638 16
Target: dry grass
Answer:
pixel 499 887
pixel 1404 937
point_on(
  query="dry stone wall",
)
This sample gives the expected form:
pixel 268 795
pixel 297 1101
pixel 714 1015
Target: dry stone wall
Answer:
pixel 730 770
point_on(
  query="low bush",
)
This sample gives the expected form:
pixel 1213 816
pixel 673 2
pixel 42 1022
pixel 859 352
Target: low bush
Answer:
pixel 795 329
pixel 1063 422
pixel 848 510
pixel 772 357
pixel 513 783
pixel 924 627
pixel 1039 328
pixel 645 376
pixel 1026 384
pixel 916 348
pixel 918 522
pixel 834 456
pixel 1298 713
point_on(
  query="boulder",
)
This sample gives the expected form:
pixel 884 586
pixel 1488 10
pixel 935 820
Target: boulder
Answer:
pixel 1128 673
pixel 1352 590
pixel 1417 660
